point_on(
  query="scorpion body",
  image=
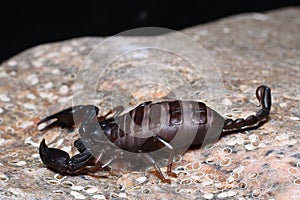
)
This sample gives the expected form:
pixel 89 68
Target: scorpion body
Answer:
pixel 149 127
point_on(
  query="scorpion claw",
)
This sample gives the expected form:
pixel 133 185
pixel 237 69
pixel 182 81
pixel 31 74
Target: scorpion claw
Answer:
pixel 68 117
pixel 60 161
pixel 52 125
pixel 54 159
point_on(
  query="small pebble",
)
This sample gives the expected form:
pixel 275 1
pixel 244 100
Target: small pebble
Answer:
pixel 281 137
pixel 29 141
pixel 242 185
pixel 30 96
pixel 185 182
pixel 292 141
pixel 1 110
pixel 208 196
pixel 64 100
pixel 63 90
pixel 207 182
pixel 250 147
pixel 292 170
pixel 99 196
pixel 32 79
pixel 77 188
pixel 77 195
pixel 226 30
pixel 13 73
pixel 239 169
pixel 253 138
pixel 203 32
pixel 55 71
pixel 59 142
pixel 123 195
pixel 4 98
pixel 9 129
pixel 92 190
pixel 3 177
pixel 59 177
pixel 35 155
pixel 211 160
pixel 226 194
pixel 67 184
pixel 66 49
pixel 29 106
pixel 260 17
pixel 227 102
pixel 225 162
pixel 52 182
pixel 19 163
pixel 3 74
pixel 253 175
pixel 227 151
pixel 24 124
pixel 283 105
pixel 141 179
pixel 46 95
pixel 2 142
pixel 255 193
pixel 48 85
pixel 231 193
pixel 297 181
pixel 231 142
pixel 295 118
pixel 243 87
pixel 230 180
pixel 60 192
pixel 37 63
pixel 12 63
pixel 240 140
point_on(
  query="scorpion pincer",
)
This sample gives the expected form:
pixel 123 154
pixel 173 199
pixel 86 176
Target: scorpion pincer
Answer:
pixel 180 119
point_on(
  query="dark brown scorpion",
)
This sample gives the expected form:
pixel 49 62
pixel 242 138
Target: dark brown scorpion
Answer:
pixel 145 129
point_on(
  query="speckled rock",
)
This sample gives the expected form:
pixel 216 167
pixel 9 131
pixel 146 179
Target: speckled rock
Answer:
pixel 264 163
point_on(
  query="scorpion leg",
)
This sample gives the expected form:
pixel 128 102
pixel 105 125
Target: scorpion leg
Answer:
pixel 263 94
pixel 60 161
pixel 68 117
pixel 156 141
pixel 171 157
pixel 149 160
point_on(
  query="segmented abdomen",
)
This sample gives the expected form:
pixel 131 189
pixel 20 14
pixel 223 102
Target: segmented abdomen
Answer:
pixel 186 120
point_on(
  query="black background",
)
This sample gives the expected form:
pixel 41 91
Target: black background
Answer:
pixel 25 24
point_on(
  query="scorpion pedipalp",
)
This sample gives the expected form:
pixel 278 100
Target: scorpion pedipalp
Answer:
pixel 68 117
pixel 60 161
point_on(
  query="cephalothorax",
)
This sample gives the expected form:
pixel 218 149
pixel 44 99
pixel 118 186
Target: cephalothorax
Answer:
pixel 130 131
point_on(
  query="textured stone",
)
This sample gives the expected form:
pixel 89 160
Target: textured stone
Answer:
pixel 249 49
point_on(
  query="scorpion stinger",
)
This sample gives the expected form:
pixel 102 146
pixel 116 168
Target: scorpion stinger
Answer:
pixel 263 94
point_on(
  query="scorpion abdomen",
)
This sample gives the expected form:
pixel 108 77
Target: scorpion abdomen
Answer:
pixel 167 120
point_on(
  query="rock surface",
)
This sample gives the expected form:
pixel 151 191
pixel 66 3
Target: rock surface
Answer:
pixel 249 50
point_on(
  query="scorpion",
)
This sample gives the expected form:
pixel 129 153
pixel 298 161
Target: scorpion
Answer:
pixel 159 124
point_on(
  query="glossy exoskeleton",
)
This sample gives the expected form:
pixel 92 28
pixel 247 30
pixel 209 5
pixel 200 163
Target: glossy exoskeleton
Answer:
pixel 146 128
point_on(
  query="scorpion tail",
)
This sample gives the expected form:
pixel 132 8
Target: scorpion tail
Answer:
pixel 263 94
